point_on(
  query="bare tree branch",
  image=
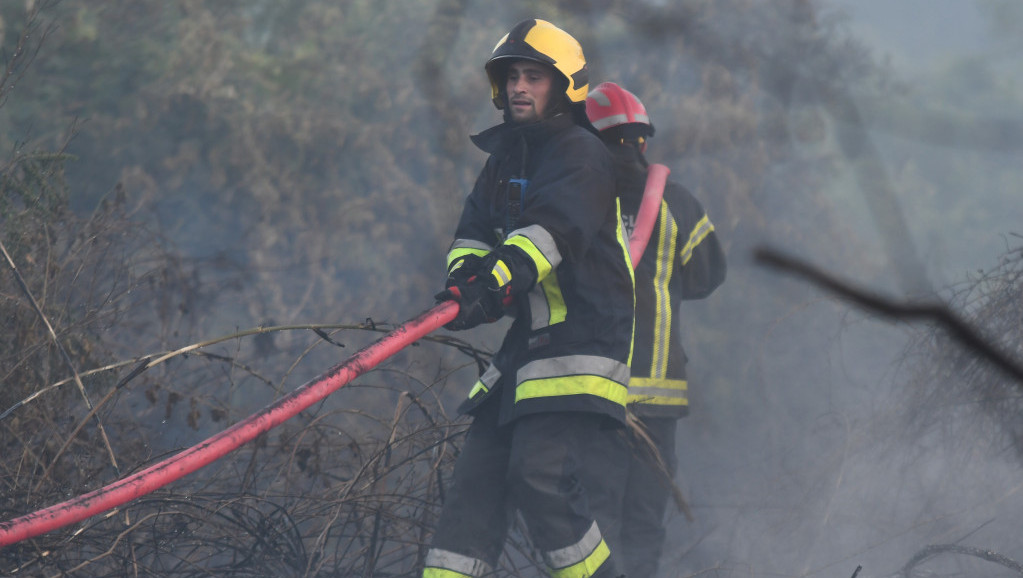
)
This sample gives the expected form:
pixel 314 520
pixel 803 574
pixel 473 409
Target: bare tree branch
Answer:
pixel 67 359
pixel 23 55
pixel 148 361
pixel 934 550
pixel 934 311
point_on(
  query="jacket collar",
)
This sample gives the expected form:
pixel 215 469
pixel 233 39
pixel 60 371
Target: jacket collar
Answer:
pixel 627 156
pixel 497 138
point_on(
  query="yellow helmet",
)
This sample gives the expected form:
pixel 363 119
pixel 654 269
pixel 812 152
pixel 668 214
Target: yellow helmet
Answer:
pixel 544 42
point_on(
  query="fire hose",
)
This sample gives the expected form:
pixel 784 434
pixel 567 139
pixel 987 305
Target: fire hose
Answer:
pixel 219 445
pixel 649 207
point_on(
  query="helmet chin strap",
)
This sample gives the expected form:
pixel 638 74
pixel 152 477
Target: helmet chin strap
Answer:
pixel 559 106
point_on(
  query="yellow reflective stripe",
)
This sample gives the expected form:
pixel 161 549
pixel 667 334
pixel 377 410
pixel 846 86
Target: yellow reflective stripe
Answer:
pixel 476 388
pixel 457 253
pixel 696 236
pixel 658 391
pixel 587 567
pixel 620 234
pixel 542 265
pixel 501 273
pixel 445 564
pixel 581 559
pixel 486 381
pixel 597 385
pixel 657 400
pixel 556 308
pixel 664 266
pixel 546 303
pixel 443 573
pixel 666 384
pixel 539 246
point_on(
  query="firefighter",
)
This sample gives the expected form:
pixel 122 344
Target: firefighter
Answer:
pixel 540 239
pixel 682 261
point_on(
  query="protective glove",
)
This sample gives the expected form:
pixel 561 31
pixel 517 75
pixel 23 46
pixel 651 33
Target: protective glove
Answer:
pixel 480 298
pixel 462 269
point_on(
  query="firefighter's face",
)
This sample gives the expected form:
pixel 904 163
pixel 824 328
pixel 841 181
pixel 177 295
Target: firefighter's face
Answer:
pixel 529 90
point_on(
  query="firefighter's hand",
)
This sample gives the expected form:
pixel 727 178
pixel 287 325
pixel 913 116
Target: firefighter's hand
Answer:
pixel 479 301
pixel 462 269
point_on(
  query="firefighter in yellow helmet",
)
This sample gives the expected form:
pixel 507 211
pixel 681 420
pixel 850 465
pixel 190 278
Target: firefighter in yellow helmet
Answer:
pixel 540 239
pixel 683 260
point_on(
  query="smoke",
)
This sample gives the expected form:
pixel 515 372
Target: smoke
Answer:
pixel 799 458
pixel 316 173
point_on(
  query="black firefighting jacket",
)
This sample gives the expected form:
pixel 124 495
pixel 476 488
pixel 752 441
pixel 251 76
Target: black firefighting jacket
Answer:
pixel 683 260
pixel 545 204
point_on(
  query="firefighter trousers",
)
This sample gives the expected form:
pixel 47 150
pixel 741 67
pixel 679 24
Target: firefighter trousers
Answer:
pixel 564 472
pixel 647 493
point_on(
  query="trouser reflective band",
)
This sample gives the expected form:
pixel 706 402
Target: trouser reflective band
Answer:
pixel 581 559
pixel 445 564
pixel 655 391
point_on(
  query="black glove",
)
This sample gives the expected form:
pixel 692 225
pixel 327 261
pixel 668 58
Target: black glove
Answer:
pixel 479 299
pixel 462 269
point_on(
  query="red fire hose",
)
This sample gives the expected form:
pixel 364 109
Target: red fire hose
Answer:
pixel 216 447
pixel 649 207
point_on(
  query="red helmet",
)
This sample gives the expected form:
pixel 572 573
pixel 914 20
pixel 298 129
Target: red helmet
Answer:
pixel 609 105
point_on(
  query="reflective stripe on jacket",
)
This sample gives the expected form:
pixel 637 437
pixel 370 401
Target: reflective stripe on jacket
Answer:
pixel 565 256
pixel 683 260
